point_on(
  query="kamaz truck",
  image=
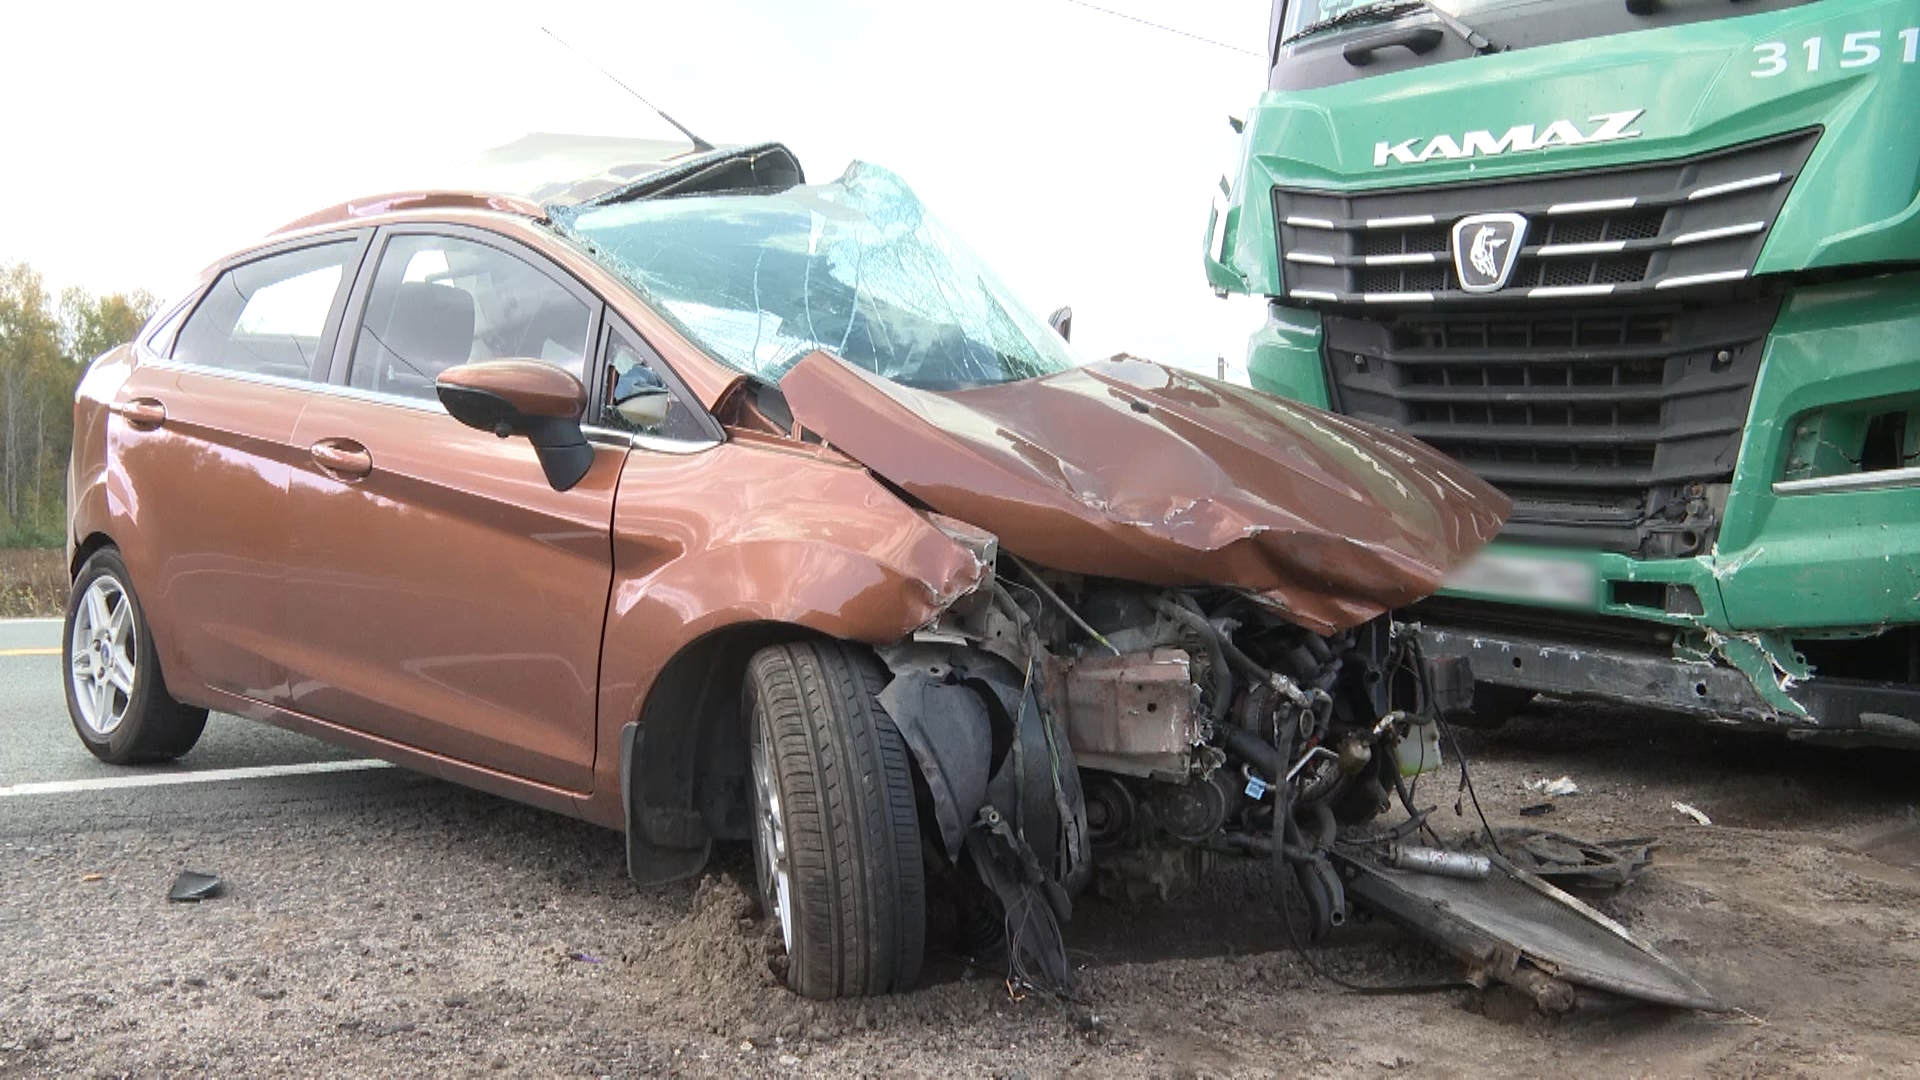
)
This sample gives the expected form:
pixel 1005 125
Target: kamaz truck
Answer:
pixel 1652 268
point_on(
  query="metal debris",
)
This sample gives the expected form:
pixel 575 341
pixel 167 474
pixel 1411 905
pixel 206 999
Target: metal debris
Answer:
pixel 1693 813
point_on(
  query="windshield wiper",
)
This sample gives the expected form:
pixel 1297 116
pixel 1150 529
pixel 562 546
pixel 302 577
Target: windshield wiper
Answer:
pixel 1382 10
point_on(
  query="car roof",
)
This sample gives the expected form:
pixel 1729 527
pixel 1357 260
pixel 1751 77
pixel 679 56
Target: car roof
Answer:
pixel 620 170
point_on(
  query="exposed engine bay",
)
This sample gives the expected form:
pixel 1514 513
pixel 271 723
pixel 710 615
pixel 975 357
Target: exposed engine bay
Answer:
pixel 1073 728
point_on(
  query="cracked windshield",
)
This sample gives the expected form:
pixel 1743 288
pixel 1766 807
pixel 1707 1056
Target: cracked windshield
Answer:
pixel 857 267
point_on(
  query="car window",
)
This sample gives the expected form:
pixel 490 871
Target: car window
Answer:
pixel 439 301
pixel 637 399
pixel 266 317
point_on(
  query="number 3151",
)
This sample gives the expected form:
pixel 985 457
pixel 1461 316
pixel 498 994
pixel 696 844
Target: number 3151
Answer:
pixel 1859 49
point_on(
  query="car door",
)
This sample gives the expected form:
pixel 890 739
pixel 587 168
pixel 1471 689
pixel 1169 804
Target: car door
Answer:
pixel 443 595
pixel 202 436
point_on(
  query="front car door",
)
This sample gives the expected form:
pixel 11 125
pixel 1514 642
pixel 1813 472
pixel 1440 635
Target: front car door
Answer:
pixel 444 596
pixel 202 434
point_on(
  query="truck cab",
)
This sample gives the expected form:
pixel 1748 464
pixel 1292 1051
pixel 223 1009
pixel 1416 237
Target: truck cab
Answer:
pixel 1651 268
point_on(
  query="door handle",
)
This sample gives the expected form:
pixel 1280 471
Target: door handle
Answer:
pixel 342 458
pixel 145 413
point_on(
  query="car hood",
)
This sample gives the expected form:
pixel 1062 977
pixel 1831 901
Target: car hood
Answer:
pixel 1133 470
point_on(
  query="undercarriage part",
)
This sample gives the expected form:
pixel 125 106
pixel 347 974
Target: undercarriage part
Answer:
pixel 1426 860
pixel 1195 810
pixel 1570 862
pixel 1135 713
pixel 1112 811
pixel 1513 923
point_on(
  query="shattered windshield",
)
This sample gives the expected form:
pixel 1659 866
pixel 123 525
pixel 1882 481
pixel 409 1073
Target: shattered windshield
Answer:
pixel 857 267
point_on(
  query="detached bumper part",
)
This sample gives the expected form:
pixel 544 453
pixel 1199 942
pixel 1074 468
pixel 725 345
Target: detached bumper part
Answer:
pixel 1840 711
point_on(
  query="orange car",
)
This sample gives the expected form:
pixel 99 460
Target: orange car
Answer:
pixel 718 506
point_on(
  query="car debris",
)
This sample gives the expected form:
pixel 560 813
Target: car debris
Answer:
pixel 1562 786
pixel 1693 812
pixel 1570 862
pixel 191 887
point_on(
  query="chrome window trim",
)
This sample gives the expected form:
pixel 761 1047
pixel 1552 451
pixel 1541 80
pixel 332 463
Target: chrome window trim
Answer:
pixel 1863 481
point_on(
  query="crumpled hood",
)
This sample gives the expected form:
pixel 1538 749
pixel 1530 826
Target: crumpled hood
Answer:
pixel 1136 471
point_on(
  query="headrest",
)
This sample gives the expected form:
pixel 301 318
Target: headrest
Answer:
pixel 431 327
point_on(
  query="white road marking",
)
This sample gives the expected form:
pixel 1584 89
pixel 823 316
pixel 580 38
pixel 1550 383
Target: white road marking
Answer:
pixel 32 622
pixel 54 651
pixel 209 776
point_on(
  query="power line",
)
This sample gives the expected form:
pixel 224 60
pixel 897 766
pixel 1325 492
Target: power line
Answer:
pixel 1157 26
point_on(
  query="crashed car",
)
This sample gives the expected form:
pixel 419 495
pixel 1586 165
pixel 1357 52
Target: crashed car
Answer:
pixel 717 506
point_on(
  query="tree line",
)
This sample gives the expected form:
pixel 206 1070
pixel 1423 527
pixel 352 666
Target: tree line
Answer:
pixel 46 344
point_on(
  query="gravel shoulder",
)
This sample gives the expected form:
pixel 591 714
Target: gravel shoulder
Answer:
pixel 387 923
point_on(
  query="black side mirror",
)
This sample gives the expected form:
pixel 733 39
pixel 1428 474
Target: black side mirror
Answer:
pixel 1062 322
pixel 524 397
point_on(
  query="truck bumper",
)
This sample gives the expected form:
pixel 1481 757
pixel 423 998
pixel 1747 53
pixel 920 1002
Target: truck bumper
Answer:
pixel 1837 711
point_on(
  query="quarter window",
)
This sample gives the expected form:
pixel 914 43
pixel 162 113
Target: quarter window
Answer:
pixel 638 399
pixel 438 302
pixel 267 317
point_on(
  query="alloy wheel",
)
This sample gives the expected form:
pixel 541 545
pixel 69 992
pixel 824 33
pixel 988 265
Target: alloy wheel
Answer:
pixel 775 885
pixel 102 655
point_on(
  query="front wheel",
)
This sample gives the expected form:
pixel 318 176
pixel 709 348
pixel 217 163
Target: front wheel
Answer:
pixel 836 833
pixel 115 694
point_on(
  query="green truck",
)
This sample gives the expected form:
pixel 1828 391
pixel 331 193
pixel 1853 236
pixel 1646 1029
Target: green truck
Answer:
pixel 1652 267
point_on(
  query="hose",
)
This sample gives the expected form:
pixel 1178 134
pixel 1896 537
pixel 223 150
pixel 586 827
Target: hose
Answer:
pixel 1216 655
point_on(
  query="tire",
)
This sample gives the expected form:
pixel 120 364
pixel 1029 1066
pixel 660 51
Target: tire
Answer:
pixel 116 695
pixel 834 807
pixel 1493 706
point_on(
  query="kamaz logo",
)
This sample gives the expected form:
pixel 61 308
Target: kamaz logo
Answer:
pixel 1609 127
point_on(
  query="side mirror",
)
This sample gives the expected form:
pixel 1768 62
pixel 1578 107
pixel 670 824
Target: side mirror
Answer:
pixel 524 397
pixel 1062 322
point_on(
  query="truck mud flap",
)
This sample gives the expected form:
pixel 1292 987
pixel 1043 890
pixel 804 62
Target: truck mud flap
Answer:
pixel 1513 927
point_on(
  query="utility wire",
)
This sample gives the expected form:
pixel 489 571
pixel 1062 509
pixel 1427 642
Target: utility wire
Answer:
pixel 1157 26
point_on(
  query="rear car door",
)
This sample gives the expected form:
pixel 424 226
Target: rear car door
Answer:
pixel 444 596
pixel 202 435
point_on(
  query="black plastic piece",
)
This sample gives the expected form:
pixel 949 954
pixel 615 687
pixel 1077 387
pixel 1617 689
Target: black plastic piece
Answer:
pixel 649 862
pixel 565 455
pixel 1450 679
pixel 1418 40
pixel 191 887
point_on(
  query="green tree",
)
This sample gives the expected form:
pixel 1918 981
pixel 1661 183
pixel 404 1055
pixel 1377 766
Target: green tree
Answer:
pixel 43 352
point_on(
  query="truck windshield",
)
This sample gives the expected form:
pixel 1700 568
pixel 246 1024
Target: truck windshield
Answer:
pixel 1316 43
pixel 1302 14
pixel 858 268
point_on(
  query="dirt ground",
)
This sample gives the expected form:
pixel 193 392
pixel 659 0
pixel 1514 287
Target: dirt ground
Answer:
pixel 33 582
pixel 422 928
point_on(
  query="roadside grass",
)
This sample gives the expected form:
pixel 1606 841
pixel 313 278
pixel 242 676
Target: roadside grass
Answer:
pixel 33 582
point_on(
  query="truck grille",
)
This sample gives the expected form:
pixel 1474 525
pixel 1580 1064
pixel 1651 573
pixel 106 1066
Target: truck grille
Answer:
pixel 1607 426
pixel 1636 231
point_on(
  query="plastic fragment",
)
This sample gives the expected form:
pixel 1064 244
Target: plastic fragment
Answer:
pixel 192 887
pixel 1693 813
pixel 1562 786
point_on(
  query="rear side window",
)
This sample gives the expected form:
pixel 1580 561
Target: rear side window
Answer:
pixel 267 317
pixel 438 302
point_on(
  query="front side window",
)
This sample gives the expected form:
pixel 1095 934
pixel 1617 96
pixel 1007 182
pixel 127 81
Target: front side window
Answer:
pixel 440 301
pixel 267 317
pixel 858 268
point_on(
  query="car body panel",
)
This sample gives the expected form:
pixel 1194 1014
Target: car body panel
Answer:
pixel 1136 471
pixel 758 530
pixel 450 599
pixel 204 532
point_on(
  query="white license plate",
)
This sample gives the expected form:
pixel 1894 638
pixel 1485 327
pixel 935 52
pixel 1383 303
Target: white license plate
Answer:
pixel 1535 578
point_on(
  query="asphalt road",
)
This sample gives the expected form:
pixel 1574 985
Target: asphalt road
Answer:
pixel 38 744
pixel 377 922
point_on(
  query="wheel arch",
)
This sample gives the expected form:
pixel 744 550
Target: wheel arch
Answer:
pixel 683 762
pixel 85 549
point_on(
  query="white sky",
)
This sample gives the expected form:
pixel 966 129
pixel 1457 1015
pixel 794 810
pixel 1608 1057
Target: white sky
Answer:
pixel 1075 150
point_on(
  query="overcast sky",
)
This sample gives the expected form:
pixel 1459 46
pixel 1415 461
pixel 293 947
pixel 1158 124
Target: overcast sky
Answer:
pixel 1076 150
